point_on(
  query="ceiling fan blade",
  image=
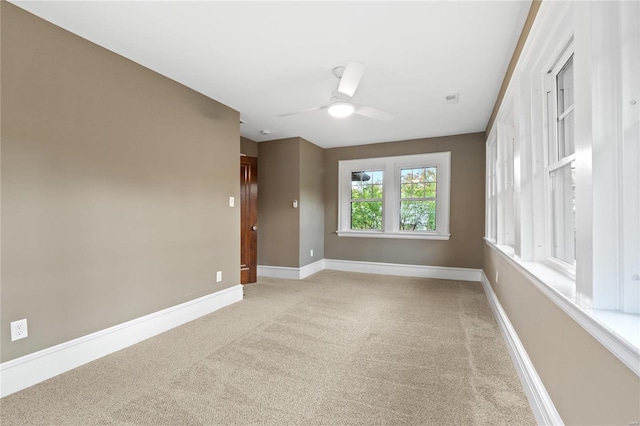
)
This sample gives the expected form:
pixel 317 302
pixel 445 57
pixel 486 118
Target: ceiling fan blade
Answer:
pixel 366 111
pixel 351 78
pixel 302 111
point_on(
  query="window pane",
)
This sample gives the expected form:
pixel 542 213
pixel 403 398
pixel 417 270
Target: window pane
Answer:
pixel 417 208
pixel 430 174
pixel 418 215
pixel 566 138
pixel 563 202
pixel 430 190
pixel 406 190
pixel 418 182
pixel 366 215
pixel 564 82
pixel 552 129
pixel 356 190
pixel 366 184
pixel 367 192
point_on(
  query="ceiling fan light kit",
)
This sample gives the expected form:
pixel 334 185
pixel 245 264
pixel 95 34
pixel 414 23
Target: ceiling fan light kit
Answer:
pixel 341 109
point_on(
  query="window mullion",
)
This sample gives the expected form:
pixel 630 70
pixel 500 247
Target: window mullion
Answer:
pixel 566 112
pixel 561 163
pixel 391 203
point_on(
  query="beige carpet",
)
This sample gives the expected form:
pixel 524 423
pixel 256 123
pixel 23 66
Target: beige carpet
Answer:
pixel 336 348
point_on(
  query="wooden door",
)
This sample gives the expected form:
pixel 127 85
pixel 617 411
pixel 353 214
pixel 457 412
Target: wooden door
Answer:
pixel 248 219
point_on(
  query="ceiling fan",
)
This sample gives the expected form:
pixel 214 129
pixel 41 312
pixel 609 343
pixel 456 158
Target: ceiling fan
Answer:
pixel 340 104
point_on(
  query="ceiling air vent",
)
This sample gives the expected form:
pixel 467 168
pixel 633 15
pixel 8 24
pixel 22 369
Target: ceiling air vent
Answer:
pixel 451 99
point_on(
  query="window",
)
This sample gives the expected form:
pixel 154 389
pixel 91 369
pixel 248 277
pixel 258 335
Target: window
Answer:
pixel 366 199
pixel 395 197
pixel 418 199
pixel 491 191
pixel 573 101
pixel 500 191
pixel 561 164
pixel 504 176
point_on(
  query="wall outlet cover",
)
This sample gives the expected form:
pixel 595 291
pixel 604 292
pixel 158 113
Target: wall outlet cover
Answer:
pixel 19 329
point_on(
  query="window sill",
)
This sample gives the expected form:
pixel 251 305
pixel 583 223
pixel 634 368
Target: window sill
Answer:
pixel 396 235
pixel 619 332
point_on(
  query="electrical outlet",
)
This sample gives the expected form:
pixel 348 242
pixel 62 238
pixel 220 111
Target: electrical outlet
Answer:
pixel 218 276
pixel 311 252
pixel 19 329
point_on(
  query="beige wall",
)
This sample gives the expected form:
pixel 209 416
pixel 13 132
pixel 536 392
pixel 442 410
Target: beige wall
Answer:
pixel 290 169
pixel 464 249
pixel 115 186
pixel 248 147
pixel 587 383
pixel 311 202
pixel 278 186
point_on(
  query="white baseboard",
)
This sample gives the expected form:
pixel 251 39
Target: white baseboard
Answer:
pixel 28 370
pixel 280 272
pixel 311 269
pixel 539 400
pixel 440 272
pixel 289 273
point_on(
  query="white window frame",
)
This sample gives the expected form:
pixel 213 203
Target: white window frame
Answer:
pixel 391 167
pixel 491 228
pixel 505 184
pixel 604 295
pixel 551 148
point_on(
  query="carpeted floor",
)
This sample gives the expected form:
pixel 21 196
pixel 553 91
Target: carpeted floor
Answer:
pixel 336 348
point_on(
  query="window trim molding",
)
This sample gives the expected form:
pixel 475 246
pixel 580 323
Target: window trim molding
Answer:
pixel 391 167
pixel 558 25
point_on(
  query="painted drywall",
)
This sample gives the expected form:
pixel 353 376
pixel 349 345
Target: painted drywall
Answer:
pixel 278 186
pixel 115 187
pixel 248 147
pixel 290 169
pixel 464 249
pixel 311 203
pixel 587 383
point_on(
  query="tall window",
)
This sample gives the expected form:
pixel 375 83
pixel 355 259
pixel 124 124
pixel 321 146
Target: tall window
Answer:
pixel 395 197
pixel 561 163
pixel 491 191
pixel 418 199
pixel 366 199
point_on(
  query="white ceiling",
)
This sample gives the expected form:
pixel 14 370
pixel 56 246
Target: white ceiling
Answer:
pixel 266 58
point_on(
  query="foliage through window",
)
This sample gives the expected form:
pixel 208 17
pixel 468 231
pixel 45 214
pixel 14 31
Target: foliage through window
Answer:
pixel 366 199
pixel 418 199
